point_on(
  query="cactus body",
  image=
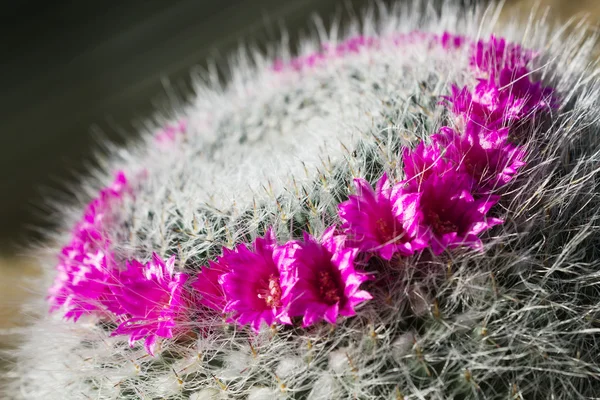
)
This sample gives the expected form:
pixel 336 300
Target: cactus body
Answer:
pixel 507 311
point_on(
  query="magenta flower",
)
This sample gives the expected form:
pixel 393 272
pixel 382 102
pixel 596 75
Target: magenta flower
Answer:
pixel 318 278
pixel 424 161
pixel 448 213
pixel 83 282
pixel 486 156
pixel 85 265
pixel 496 54
pixel 482 107
pixel 494 106
pixel 209 289
pixel 355 44
pixel 378 221
pixel 150 301
pixel 526 97
pixel 70 259
pixel 252 284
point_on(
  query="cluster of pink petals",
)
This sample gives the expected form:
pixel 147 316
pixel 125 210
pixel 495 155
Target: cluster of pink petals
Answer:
pixel 439 212
pixel 83 270
pixel 149 301
pixel 146 298
pixel 500 101
pixel 493 55
pixel 448 213
pixel 252 284
pixel 505 93
pixel 446 195
pixel 381 221
pixel 319 278
pixel 271 284
pixel 485 156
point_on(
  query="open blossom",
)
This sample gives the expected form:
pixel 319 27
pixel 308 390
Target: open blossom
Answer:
pixel 318 278
pixel 207 286
pixel 424 161
pixel 449 215
pixel 529 97
pixel 493 55
pixel 85 264
pixel 486 156
pixel 380 222
pixel 149 300
pixel 83 282
pixel 496 104
pixel 252 284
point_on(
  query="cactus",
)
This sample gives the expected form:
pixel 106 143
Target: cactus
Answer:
pixel 292 160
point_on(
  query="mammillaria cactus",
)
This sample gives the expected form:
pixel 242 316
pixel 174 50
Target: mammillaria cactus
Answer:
pixel 407 211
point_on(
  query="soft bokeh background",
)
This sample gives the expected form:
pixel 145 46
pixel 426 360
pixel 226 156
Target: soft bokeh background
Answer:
pixel 76 72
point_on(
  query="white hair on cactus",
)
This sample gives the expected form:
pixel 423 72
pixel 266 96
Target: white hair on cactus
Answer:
pixel 206 394
pixel 520 319
pixel 263 394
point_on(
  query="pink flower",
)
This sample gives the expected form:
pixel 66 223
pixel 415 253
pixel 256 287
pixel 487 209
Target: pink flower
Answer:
pixel 318 278
pixel 252 284
pixel 525 96
pixel 486 156
pixel 355 44
pixel 209 289
pixel 482 107
pixel 83 282
pixel 449 215
pixel 495 54
pixel 495 105
pixel 423 161
pixel 374 221
pixel 150 301
pixel 85 265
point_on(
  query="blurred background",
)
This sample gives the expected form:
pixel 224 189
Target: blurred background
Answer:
pixel 74 72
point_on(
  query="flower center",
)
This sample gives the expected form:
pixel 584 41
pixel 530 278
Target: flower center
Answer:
pixel 328 288
pixel 439 225
pixel 475 168
pixel 386 232
pixel 270 292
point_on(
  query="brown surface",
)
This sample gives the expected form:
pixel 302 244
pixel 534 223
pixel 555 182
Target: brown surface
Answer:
pixel 562 10
pixel 14 290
